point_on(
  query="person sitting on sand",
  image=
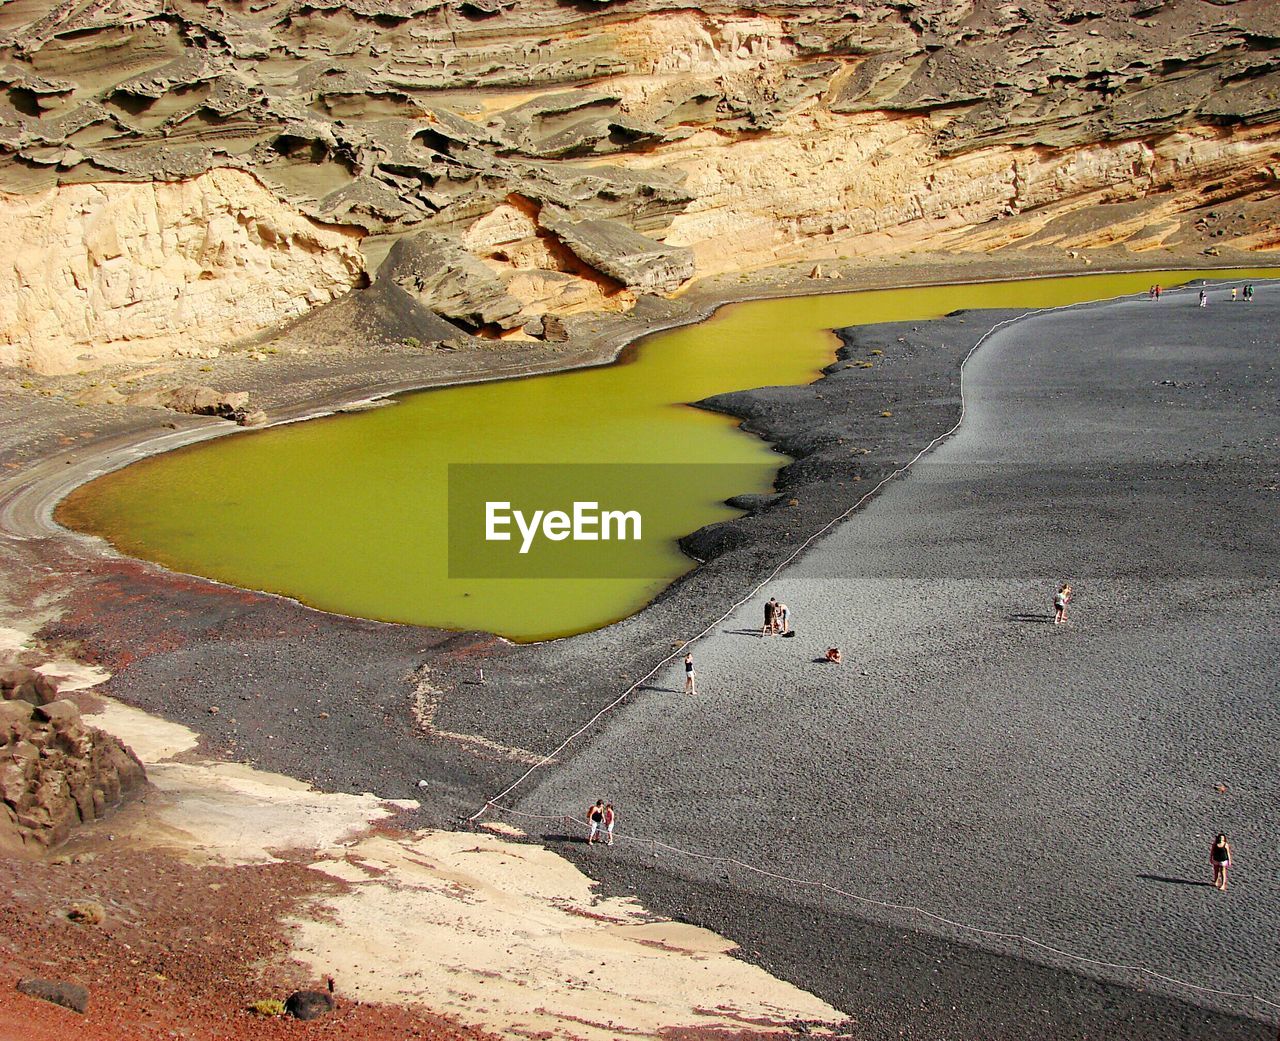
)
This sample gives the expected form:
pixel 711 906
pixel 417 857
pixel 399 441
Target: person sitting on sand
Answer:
pixel 1220 858
pixel 833 655
pixel 1060 601
pixel 595 818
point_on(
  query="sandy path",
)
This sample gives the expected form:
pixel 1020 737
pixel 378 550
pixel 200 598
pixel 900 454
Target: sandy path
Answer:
pixel 1058 782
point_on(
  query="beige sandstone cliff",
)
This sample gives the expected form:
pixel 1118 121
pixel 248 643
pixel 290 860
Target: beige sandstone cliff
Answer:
pixel 95 273
pixel 195 173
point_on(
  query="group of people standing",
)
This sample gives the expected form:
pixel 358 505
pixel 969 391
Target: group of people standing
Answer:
pixel 777 619
pixel 600 818
pixel 1236 294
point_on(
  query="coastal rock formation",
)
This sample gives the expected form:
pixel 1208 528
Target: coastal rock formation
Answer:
pixel 194 400
pixel 94 273
pixel 505 161
pixel 55 773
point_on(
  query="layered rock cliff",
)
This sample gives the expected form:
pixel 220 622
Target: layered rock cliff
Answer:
pixel 108 272
pixel 534 157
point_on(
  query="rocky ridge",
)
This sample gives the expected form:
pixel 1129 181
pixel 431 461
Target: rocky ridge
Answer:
pixel 514 159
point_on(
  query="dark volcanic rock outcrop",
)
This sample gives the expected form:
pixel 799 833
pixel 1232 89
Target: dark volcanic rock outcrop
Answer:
pixel 68 995
pixel 56 773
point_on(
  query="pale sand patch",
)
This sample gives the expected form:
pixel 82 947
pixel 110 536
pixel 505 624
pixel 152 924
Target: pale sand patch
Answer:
pixel 514 938
pixel 152 738
pixel 228 812
pixel 70 676
pixel 238 815
pixel 12 640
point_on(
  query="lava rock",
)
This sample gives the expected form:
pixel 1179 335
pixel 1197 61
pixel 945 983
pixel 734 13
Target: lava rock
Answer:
pixel 309 1004
pixel 68 995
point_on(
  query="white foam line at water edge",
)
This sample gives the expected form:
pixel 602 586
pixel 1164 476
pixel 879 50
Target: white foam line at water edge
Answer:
pixel 755 591
pixel 973 930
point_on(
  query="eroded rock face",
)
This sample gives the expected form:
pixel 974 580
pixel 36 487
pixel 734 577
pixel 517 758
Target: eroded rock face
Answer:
pixel 56 773
pixel 548 158
pixel 19 683
pixel 94 273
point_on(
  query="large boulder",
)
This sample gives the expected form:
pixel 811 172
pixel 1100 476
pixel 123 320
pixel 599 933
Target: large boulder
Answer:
pixel 18 683
pixel 193 400
pixel 439 274
pixel 637 261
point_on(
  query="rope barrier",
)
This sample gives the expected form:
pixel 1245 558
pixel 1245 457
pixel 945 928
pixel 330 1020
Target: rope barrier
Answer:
pixel 1139 970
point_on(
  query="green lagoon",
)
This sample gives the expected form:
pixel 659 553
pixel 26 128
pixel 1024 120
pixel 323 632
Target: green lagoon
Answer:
pixel 349 513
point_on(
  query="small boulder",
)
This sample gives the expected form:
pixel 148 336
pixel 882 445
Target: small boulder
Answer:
pixel 553 329
pixel 256 418
pixel 308 1004
pixel 68 995
pixel 18 683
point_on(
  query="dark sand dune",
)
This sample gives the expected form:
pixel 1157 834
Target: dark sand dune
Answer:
pixel 970 758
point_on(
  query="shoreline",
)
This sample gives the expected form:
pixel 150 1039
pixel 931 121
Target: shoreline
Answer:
pixel 27 505
pixel 238 640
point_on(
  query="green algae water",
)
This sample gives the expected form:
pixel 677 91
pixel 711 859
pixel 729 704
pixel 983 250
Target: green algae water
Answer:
pixel 349 513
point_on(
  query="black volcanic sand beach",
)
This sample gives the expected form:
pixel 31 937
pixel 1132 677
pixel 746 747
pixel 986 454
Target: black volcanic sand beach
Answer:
pixel 970 757
pixel 1092 753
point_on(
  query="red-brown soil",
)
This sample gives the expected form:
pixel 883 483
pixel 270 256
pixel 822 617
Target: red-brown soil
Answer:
pixel 183 951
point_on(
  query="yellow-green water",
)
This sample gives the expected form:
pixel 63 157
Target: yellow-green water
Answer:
pixel 349 513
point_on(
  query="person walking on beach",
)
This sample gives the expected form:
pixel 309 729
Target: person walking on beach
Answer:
pixel 783 617
pixel 770 618
pixel 1158 290
pixel 1233 294
pixel 1220 858
pixel 690 683
pixel 595 817
pixel 609 817
pixel 1248 291
pixel 1060 600
pixel 1204 298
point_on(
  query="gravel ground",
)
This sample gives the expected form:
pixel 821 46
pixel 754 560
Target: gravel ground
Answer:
pixel 969 757
pixel 334 699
